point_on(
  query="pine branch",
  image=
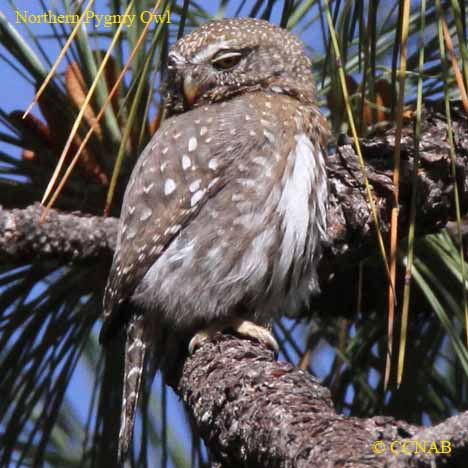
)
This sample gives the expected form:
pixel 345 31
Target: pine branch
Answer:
pixel 67 236
pixel 254 411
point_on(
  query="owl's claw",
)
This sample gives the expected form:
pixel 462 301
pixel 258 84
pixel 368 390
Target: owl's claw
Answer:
pixel 242 327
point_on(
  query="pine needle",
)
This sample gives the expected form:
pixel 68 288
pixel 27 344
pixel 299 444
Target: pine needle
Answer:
pixel 352 125
pixel 396 187
pixel 100 114
pixel 453 161
pixel 412 218
pixel 58 60
pixel 77 122
pixel 456 68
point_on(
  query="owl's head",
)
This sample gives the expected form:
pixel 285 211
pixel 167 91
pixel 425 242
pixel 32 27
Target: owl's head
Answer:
pixel 232 56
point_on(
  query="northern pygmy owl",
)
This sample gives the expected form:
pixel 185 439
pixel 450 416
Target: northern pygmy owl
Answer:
pixel 225 210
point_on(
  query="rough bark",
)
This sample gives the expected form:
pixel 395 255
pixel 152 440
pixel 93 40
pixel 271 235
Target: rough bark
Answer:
pixel 67 236
pixel 252 410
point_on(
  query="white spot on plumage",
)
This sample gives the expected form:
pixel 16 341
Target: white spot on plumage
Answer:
pixel 174 229
pixel 186 162
pixel 213 182
pixel 213 164
pixel 269 136
pixel 196 197
pixel 156 249
pixel 250 183
pixel 146 213
pixel 192 144
pixel 203 130
pixel 135 370
pixel 148 188
pixel 131 233
pixel 195 185
pixel 169 186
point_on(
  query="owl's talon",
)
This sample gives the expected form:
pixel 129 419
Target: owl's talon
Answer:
pixel 241 327
pixel 198 340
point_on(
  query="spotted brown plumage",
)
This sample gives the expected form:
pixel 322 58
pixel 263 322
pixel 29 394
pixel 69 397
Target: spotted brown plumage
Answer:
pixel 225 209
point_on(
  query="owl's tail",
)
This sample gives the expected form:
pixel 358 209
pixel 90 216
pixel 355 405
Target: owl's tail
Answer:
pixel 135 350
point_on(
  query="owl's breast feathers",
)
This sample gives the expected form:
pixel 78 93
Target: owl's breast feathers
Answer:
pixel 237 152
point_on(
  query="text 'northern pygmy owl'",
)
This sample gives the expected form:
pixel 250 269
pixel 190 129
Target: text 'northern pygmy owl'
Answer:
pixel 225 210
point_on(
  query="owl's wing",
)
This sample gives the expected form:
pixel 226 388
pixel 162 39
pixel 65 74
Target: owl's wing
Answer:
pixel 174 176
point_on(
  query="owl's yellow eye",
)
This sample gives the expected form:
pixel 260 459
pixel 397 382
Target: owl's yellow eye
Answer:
pixel 226 60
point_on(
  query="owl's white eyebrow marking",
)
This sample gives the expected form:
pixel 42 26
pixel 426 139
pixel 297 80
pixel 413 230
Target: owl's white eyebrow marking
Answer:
pixel 210 50
pixel 186 162
pixel 197 196
pixel 194 186
pixel 169 186
pixel 192 144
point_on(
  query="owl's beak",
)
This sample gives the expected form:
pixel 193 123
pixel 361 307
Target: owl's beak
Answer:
pixel 191 89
